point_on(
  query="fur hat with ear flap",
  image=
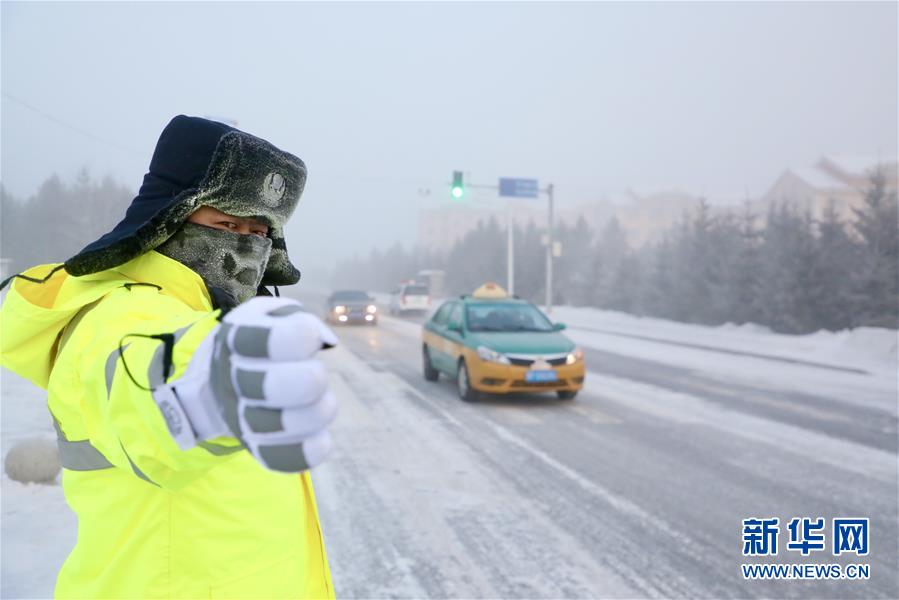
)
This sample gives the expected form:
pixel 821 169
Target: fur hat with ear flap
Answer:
pixel 197 163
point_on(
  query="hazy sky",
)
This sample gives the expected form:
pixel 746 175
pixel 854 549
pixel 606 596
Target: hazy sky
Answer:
pixel 383 99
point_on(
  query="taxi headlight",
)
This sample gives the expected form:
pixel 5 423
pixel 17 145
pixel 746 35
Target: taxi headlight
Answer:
pixel 576 356
pixel 371 308
pixel 340 309
pixel 485 353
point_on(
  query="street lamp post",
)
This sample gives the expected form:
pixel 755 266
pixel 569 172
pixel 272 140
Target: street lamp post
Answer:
pixel 510 251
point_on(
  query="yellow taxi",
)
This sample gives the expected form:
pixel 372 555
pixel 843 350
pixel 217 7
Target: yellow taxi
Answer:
pixel 492 343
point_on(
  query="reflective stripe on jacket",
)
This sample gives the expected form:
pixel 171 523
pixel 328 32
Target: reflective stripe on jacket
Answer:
pixel 153 521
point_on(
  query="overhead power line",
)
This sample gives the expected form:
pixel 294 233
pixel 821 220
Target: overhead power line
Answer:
pixel 71 127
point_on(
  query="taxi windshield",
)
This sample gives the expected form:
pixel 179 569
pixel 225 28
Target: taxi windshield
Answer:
pixel 506 317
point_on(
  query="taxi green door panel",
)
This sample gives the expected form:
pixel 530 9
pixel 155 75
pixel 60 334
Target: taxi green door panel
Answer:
pixel 453 339
pixel 437 341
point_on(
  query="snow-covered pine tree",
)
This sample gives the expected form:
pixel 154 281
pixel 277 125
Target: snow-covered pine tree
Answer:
pixel 835 260
pixel 876 283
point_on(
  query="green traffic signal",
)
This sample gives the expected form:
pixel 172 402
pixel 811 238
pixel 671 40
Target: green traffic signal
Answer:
pixel 458 190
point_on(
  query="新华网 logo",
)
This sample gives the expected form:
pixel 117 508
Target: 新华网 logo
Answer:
pixel 805 535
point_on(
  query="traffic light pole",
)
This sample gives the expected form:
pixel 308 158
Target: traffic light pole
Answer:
pixel 549 252
pixel 510 237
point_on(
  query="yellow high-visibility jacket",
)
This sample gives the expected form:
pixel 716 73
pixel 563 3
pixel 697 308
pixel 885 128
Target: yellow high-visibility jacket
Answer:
pixel 154 521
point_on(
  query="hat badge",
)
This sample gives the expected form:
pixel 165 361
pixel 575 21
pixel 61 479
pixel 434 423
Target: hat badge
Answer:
pixel 273 189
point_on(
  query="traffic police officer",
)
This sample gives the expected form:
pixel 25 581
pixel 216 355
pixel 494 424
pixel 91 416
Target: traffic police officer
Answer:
pixel 188 401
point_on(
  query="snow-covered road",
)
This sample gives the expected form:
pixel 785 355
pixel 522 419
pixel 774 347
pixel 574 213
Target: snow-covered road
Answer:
pixel 638 488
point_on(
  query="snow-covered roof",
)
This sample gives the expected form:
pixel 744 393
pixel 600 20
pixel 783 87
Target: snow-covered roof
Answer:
pixel 817 178
pixel 859 164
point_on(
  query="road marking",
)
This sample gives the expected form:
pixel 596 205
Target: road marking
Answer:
pixel 514 415
pixel 686 409
pixel 722 388
pixel 446 414
pixel 615 501
pixel 594 414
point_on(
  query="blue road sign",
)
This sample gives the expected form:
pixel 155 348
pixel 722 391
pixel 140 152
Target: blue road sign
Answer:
pixel 518 188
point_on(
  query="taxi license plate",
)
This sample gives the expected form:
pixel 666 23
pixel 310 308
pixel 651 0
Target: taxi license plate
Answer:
pixel 540 376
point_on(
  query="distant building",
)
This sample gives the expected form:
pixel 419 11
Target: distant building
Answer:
pixel 642 214
pixel 843 180
pixel 440 227
pixel 650 213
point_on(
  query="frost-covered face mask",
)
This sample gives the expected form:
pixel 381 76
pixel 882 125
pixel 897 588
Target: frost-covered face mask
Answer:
pixel 227 260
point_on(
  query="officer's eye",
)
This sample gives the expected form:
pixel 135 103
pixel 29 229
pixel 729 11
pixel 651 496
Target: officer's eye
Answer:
pixel 228 224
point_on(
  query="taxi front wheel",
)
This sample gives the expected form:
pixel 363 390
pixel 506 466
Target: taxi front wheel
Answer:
pixel 463 382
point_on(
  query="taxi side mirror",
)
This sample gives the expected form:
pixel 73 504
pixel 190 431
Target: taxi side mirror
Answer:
pixel 559 326
pixel 454 327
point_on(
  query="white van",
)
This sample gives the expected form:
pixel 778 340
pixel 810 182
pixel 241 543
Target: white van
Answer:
pixel 409 297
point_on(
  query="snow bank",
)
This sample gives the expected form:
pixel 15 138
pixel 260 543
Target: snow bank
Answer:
pixel 866 348
pixel 34 460
pixel 867 343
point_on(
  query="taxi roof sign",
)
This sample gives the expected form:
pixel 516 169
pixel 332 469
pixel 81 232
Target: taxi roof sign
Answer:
pixel 490 290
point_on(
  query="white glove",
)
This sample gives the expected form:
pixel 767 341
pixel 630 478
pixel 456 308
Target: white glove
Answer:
pixel 255 378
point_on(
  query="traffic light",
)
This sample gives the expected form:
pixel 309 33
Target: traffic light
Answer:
pixel 458 190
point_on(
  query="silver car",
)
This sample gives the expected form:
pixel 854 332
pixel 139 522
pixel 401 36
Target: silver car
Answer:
pixel 351 306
